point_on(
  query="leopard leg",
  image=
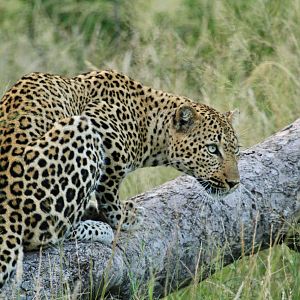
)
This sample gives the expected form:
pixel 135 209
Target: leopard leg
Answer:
pixel 11 253
pixel 71 182
pixel 59 171
pixel 11 232
pixel 126 215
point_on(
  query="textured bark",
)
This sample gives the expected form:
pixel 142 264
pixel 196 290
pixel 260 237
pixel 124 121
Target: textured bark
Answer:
pixel 185 232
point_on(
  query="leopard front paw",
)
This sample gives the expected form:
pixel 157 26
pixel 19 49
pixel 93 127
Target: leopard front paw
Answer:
pixel 133 216
pixel 125 216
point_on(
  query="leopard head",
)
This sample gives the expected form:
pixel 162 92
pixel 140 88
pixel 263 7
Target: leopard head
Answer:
pixel 203 143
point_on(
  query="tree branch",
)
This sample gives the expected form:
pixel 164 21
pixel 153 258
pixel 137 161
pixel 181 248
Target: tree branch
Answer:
pixel 185 232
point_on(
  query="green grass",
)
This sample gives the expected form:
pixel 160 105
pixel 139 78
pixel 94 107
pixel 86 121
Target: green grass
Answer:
pixel 270 274
pixel 228 54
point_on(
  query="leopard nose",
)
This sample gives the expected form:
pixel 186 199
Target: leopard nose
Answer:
pixel 232 184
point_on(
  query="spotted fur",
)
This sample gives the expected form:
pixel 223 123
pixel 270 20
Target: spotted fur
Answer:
pixel 90 230
pixel 62 139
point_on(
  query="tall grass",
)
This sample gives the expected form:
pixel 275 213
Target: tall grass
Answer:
pixel 228 54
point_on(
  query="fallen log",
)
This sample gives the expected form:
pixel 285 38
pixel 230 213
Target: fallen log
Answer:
pixel 185 232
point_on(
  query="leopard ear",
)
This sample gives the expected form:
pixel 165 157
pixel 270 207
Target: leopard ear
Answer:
pixel 233 117
pixel 184 118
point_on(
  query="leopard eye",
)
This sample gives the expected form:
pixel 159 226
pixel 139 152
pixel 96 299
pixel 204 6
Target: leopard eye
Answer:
pixel 212 149
pixel 237 150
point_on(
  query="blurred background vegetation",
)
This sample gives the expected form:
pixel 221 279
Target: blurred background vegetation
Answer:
pixel 230 53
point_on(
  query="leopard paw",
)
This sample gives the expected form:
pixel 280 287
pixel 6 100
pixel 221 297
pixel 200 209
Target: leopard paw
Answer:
pixel 91 231
pixel 133 216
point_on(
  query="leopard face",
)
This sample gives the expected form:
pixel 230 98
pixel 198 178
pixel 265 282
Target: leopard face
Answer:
pixel 203 144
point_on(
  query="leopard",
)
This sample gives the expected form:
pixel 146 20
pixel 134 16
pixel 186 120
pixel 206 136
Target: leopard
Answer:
pixel 65 140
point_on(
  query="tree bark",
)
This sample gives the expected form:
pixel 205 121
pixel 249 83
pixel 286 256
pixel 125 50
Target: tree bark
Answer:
pixel 185 233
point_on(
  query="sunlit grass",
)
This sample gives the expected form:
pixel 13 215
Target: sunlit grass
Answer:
pixel 227 54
